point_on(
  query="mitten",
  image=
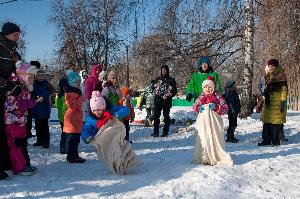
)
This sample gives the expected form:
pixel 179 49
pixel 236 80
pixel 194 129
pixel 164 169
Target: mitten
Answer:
pixel 189 97
pixel 201 109
pixel 281 106
pixel 211 106
pixel 89 139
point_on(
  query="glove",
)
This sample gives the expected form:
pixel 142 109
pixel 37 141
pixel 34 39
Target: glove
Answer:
pixel 189 97
pixel 211 106
pixel 89 139
pixel 281 106
pixel 201 109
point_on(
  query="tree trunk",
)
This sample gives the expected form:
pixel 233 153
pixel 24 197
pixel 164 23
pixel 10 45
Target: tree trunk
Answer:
pixel 246 95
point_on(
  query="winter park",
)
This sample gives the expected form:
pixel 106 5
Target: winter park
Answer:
pixel 149 99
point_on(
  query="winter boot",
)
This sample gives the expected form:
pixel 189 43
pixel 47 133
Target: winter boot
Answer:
pixel 154 134
pixel 77 160
pixel 27 171
pixel 232 140
pixel 3 175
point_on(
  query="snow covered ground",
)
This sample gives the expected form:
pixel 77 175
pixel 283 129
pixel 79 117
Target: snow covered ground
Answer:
pixel 166 170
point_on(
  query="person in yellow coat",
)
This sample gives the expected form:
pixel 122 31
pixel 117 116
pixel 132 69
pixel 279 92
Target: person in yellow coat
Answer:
pixel 273 113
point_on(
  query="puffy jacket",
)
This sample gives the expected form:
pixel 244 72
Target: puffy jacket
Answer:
pixel 61 107
pixel 195 84
pixel 271 113
pixel 89 128
pixel 73 119
pixel 232 100
pixel 127 102
pixel 43 108
pixel 91 82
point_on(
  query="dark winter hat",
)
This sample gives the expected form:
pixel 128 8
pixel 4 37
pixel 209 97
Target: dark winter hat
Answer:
pixel 229 83
pixel 9 28
pixel 36 63
pixel 165 67
pixel 273 62
pixel 202 60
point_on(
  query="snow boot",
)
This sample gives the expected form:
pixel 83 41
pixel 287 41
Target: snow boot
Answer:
pixel 27 171
pixel 3 175
pixel 77 160
pixel 232 140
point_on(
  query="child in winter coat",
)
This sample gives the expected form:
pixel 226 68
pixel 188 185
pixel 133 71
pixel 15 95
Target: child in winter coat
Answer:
pixel 234 107
pixel 111 90
pixel 41 112
pixel 16 105
pixel 112 148
pixel 61 110
pixel 73 119
pixel 126 101
pixel 100 111
pixel 209 147
pixel 148 101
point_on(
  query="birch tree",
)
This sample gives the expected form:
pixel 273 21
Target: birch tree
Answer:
pixel 246 95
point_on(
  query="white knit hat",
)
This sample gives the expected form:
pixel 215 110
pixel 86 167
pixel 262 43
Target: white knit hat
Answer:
pixel 210 82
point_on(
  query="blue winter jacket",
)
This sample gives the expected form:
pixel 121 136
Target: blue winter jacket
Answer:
pixel 43 108
pixel 89 129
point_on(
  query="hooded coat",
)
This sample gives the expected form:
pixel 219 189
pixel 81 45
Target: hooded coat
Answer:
pixel 165 89
pixel 91 82
pixel 275 92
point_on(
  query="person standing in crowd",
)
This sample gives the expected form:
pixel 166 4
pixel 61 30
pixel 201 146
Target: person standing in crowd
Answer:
pixel 111 90
pixel 8 56
pixel 204 69
pixel 61 110
pixel 165 89
pixel 16 105
pixel 148 101
pixel 73 118
pixel 92 81
pixel 273 113
pixel 234 107
pixel 37 64
pixel 41 112
pixel 126 101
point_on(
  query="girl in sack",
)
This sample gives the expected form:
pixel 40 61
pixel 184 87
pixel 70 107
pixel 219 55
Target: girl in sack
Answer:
pixel 104 130
pixel 209 146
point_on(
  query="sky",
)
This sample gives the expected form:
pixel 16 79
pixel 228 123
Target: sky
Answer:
pixel 32 16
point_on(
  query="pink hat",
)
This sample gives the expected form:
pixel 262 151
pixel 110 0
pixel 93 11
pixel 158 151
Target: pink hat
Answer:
pixel 23 69
pixel 97 102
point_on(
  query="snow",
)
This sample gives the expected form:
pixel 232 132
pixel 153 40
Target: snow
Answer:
pixel 166 170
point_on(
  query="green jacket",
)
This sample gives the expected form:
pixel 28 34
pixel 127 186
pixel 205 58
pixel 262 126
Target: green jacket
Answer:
pixel 271 114
pixel 195 84
pixel 61 107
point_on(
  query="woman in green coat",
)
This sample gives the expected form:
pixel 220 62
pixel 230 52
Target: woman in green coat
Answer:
pixel 273 113
pixel 194 88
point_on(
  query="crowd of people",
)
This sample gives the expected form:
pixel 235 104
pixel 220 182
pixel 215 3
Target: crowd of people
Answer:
pixel 96 109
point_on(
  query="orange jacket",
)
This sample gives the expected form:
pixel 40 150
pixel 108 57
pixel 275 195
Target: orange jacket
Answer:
pixel 73 119
pixel 126 102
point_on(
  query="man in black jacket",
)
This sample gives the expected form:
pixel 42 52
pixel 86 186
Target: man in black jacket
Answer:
pixel 8 56
pixel 165 89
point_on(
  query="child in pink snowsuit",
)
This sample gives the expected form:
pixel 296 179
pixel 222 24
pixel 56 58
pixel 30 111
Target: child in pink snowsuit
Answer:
pixel 15 113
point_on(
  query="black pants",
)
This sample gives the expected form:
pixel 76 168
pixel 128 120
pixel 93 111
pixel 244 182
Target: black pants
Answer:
pixel 29 123
pixel 281 134
pixel 166 113
pixel 63 139
pixel 42 131
pixel 270 133
pixel 232 118
pixel 126 124
pixel 5 163
pixel 73 140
